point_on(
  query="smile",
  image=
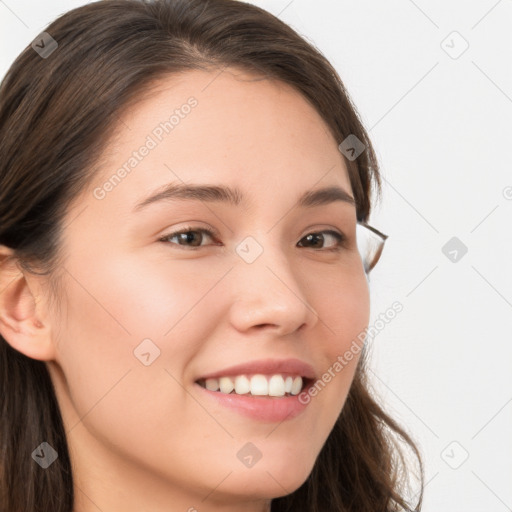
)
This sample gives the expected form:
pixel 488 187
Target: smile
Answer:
pixel 276 385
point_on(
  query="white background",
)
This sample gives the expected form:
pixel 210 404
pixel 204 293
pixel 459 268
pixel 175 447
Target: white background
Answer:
pixel 442 130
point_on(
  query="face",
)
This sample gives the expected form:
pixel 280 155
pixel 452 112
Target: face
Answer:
pixel 255 278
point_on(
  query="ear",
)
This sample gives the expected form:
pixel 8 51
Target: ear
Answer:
pixel 23 321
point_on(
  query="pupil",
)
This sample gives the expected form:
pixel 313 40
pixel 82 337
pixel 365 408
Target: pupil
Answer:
pixel 188 237
pixel 315 236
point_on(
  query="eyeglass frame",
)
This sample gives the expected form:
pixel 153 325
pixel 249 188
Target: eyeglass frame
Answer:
pixel 381 237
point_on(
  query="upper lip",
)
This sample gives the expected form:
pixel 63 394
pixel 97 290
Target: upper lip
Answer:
pixel 266 366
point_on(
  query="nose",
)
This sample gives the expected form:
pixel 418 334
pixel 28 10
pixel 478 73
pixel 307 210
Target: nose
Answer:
pixel 269 294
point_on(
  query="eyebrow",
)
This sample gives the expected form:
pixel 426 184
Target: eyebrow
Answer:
pixel 233 196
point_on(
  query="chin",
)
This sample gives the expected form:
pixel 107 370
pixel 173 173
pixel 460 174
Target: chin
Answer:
pixel 275 478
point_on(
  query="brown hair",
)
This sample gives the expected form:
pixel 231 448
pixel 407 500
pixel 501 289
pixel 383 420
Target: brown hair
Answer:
pixel 56 115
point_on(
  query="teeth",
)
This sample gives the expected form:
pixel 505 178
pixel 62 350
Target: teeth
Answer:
pixel 226 385
pixel 296 386
pixel 288 384
pixel 212 384
pixel 276 386
pixel 242 385
pixel 257 385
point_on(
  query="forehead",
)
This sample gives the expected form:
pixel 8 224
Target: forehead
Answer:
pixel 230 127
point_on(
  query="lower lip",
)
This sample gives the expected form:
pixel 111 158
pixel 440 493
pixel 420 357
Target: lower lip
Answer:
pixel 262 408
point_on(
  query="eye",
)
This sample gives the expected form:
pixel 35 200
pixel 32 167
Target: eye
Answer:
pixel 319 237
pixel 193 238
pixel 188 237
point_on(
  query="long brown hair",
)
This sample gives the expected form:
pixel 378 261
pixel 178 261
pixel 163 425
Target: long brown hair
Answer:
pixel 56 115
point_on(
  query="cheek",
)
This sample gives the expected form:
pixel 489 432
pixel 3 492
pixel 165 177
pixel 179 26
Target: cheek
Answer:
pixel 128 405
pixel 128 330
pixel 123 302
pixel 343 308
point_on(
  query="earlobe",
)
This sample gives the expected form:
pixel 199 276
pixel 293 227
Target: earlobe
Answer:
pixel 20 322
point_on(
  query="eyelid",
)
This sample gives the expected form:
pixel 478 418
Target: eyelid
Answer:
pixel 338 234
pixel 341 239
pixel 190 226
pixel 211 232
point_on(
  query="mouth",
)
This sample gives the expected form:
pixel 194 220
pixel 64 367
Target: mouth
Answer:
pixel 267 390
pixel 277 385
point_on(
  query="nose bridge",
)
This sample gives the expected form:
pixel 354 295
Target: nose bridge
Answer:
pixel 268 291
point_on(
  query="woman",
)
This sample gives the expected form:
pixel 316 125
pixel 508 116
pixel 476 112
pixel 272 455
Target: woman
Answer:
pixel 181 187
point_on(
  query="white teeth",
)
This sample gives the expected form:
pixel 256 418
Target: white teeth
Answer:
pixel 212 384
pixel 242 385
pixel 276 385
pixel 288 384
pixel 257 385
pixel 226 385
pixel 296 386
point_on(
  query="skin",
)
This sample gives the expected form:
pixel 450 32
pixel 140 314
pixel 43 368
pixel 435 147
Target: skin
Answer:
pixel 143 438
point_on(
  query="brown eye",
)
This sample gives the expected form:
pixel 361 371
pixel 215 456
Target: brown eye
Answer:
pixel 318 239
pixel 188 237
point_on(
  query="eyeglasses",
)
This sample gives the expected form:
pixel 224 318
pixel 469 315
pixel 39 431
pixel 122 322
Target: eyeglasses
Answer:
pixel 370 243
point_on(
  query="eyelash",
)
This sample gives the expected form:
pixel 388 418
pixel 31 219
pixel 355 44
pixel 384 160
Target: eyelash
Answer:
pixel 340 237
